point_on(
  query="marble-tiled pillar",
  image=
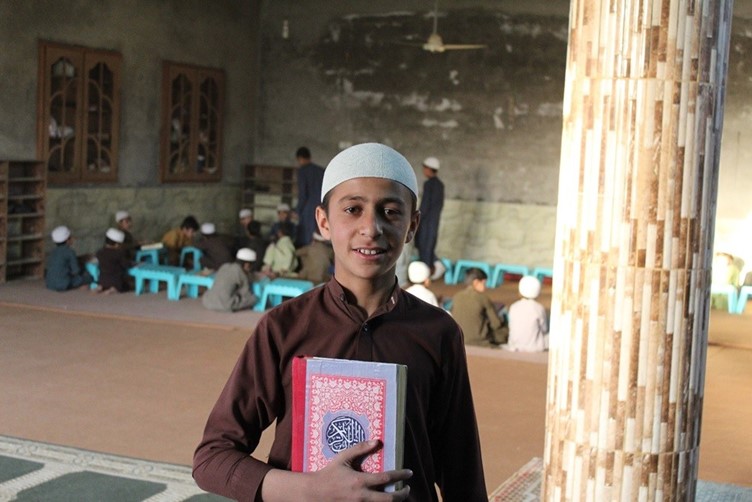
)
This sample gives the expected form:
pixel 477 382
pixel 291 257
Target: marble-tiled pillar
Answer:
pixel 643 111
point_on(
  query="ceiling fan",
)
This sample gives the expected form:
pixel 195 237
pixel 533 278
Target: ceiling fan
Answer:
pixel 435 43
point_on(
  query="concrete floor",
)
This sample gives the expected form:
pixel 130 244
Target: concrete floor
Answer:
pixel 128 380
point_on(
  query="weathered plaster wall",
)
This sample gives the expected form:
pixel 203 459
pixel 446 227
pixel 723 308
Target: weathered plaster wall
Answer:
pixel 493 117
pixel 217 34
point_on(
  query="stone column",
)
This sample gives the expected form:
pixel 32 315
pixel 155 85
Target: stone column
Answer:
pixel 643 110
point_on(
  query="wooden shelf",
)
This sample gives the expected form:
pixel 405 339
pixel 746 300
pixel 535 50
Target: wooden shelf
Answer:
pixel 25 183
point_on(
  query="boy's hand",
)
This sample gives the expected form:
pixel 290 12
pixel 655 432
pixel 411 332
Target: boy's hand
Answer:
pixel 338 481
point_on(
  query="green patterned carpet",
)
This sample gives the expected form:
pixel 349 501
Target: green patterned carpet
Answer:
pixel 39 472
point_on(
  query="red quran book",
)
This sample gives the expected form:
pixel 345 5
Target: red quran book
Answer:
pixel 337 403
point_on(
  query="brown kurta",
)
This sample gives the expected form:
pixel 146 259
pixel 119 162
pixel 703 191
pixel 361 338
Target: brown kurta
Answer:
pixel 477 316
pixel 441 435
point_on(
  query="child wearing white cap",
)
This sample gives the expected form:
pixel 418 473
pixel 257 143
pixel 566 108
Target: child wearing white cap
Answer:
pixel 125 224
pixel 63 270
pixel 368 212
pixel 420 276
pixel 231 290
pixel 528 321
pixel 431 204
pixel 214 251
pixel 284 217
pixel 114 264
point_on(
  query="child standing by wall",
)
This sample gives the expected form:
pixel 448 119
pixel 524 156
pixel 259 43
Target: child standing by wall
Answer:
pixel 476 313
pixel 63 271
pixel 368 211
pixel 528 322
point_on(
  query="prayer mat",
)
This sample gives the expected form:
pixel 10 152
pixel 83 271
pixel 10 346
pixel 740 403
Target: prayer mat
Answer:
pixel 39 472
pixel 525 486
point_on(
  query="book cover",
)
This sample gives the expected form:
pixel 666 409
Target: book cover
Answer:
pixel 337 403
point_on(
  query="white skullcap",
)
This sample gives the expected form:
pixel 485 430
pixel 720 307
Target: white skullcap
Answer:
pixel 318 237
pixel 369 160
pixel 115 235
pixel 283 207
pixel 246 254
pixel 530 287
pixel 121 215
pixel 432 162
pixel 245 213
pixel 60 234
pixel 207 228
pixel 418 272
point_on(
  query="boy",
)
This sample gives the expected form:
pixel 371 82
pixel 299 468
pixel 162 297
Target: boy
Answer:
pixel 279 258
pixel 124 224
pixel 420 276
pixel 63 270
pixel 178 238
pixel 214 251
pixel 368 212
pixel 245 216
pixel 310 176
pixel 431 204
pixel 528 322
pixel 284 217
pixel 476 314
pixel 231 290
pixel 113 263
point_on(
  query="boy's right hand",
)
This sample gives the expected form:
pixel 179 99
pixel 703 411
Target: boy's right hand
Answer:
pixel 338 481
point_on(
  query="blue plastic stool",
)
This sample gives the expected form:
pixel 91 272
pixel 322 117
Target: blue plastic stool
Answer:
pixel 93 268
pixel 497 277
pixel 449 274
pixel 462 265
pixel 277 289
pixel 148 256
pixel 744 293
pixel 193 251
pixel 543 272
pixel 731 295
pixel 193 282
pixel 155 274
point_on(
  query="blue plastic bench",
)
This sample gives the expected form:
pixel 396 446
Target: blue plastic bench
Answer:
pixel 196 253
pixel 281 288
pixel 543 272
pixel 193 281
pixel 497 277
pixel 155 274
pixel 449 273
pixel 463 265
pixel 93 268
pixel 150 255
pixel 731 295
pixel 744 293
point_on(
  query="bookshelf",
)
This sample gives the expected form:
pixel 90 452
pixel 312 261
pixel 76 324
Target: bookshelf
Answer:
pixel 266 186
pixel 22 198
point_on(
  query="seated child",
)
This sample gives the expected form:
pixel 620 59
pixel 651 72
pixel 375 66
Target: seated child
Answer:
pixel 725 273
pixel 420 276
pixel 124 224
pixel 231 290
pixel 178 238
pixel 528 322
pixel 279 258
pixel 63 270
pixel 284 217
pixel 214 251
pixel 256 242
pixel 245 216
pixel 315 260
pixel 476 314
pixel 114 264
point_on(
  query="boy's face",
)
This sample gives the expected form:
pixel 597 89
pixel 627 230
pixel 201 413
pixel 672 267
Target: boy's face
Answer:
pixel 188 232
pixel 125 223
pixel 369 220
pixel 479 285
pixel 245 221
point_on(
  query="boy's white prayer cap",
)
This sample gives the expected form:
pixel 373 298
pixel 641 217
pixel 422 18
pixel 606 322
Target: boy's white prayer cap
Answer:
pixel 246 254
pixel 432 162
pixel 369 160
pixel 207 228
pixel 418 272
pixel 121 215
pixel 245 213
pixel 115 235
pixel 283 207
pixel 60 234
pixel 530 287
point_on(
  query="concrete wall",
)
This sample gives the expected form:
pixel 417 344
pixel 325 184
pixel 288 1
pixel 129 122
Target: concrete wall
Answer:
pixel 218 34
pixel 493 117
